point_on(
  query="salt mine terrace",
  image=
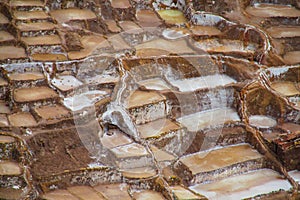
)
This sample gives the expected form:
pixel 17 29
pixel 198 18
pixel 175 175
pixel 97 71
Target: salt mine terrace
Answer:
pixel 31 16
pixel 127 99
pixel 282 32
pixel 273 10
pixel 12 52
pixel 26 28
pixel 6 38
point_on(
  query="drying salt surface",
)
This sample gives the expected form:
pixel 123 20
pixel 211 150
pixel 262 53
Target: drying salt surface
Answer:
pixel 114 138
pixel 6 36
pixel 261 121
pixel 173 34
pixel 28 76
pixel 202 82
pixel 12 52
pixel 295 175
pixel 3 19
pixel 292 57
pixel 205 30
pixel 154 84
pixel 8 168
pixel 286 88
pixel 3 82
pixel 273 10
pixel 172 16
pixel 284 31
pixel 123 4
pixel 182 193
pixel 147 195
pixel 214 159
pixel 179 46
pixel 225 46
pixel 84 100
pixel 25 15
pixel 142 172
pixel 65 15
pixel 100 79
pixel 65 83
pixel 6 139
pixel 130 150
pixel 209 118
pixel 243 186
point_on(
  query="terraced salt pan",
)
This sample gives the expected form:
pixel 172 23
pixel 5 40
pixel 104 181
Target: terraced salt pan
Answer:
pixel 203 82
pixel 142 98
pixel 70 14
pixel 147 195
pixel 84 100
pixel 157 128
pixel 100 79
pixel 129 26
pixel 25 15
pixel 114 139
pixel 124 4
pixel 284 31
pixel 23 95
pixel 148 18
pixel 29 76
pixel 161 155
pixel 37 26
pixel 6 139
pixel 273 10
pixel 59 195
pixel 10 193
pixel 289 127
pixel 295 101
pixel 154 84
pixel 10 168
pixel 65 83
pixel 3 82
pixel 142 172
pixel 179 46
pixel 292 57
pixel 52 112
pixel 225 46
pixel 285 88
pixel 4 108
pixel 3 121
pixel 172 16
pixel 90 43
pixel 82 192
pixel 6 36
pixel 26 3
pixel 205 30
pixel 12 52
pixel 243 186
pixel 130 150
pixel 112 26
pixel 48 57
pixel 114 191
pixel 261 121
pixel 174 34
pixel 182 193
pixel 42 40
pixel 207 161
pixel 295 175
pixel 22 119
pixel 210 118
pixel 3 19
